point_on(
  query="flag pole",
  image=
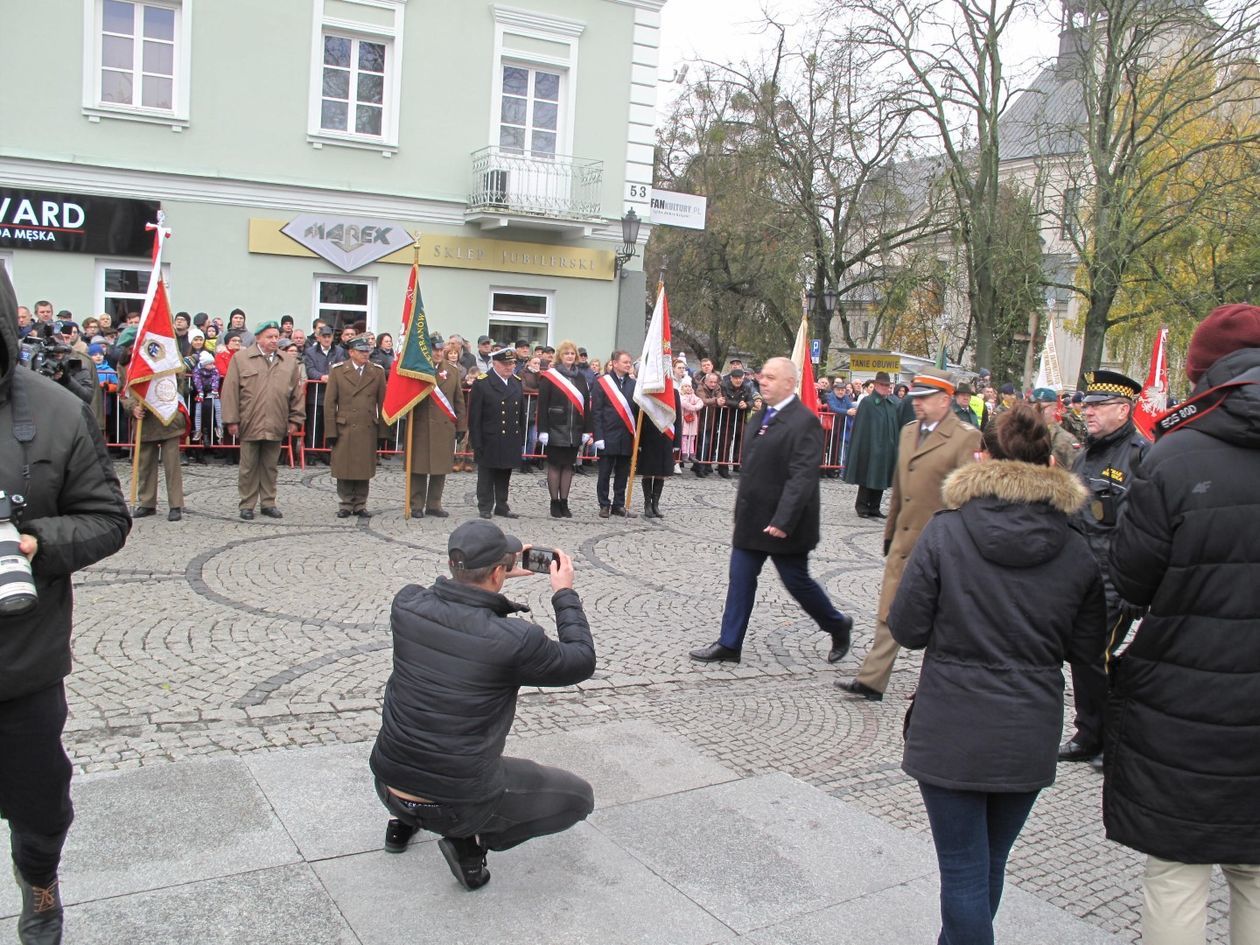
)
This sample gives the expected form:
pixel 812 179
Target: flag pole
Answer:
pixel 634 459
pixel 135 459
pixel 411 414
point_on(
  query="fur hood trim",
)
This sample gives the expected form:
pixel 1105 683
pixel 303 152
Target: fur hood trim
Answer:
pixel 1012 481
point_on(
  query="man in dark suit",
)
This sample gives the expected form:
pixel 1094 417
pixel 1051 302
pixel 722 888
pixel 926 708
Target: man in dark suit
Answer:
pixel 614 413
pixel 776 516
pixel 496 430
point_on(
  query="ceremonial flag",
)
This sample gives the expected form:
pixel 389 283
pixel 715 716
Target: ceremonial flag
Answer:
pixel 1153 400
pixel 412 376
pixel 1048 373
pixel 654 387
pixel 155 359
pixel 805 388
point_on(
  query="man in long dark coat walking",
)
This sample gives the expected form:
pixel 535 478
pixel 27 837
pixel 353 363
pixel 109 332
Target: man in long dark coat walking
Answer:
pixel 873 450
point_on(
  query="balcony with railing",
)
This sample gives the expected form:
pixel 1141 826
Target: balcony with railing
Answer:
pixel 534 191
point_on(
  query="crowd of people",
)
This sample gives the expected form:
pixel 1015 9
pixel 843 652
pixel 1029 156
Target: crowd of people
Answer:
pixel 1021 533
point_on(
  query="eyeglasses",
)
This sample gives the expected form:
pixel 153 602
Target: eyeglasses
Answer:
pixel 1106 403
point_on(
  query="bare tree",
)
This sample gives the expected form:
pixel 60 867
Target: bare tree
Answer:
pixel 946 57
pixel 1148 76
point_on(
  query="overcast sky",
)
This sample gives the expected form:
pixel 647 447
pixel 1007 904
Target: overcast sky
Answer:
pixel 728 30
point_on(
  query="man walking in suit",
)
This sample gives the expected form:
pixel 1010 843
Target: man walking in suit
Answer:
pixel 614 411
pixel 928 452
pixel 777 516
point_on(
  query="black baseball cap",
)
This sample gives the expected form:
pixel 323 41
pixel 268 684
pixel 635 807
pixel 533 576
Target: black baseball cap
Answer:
pixel 480 544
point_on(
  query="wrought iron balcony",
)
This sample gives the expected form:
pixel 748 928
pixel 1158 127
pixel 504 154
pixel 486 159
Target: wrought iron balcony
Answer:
pixel 533 190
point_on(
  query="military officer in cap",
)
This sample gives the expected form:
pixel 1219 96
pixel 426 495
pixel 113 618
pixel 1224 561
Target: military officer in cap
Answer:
pixel 1064 447
pixel 356 391
pixel 1105 465
pixel 496 431
pixel 439 419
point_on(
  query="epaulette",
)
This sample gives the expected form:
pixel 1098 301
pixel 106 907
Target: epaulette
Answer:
pixel 482 375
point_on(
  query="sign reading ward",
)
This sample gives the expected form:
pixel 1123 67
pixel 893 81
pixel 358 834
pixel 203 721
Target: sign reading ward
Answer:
pixel 74 223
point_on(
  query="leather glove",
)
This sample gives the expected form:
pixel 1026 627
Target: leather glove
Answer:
pixel 599 445
pixel 887 546
pixel 543 438
pixel 586 438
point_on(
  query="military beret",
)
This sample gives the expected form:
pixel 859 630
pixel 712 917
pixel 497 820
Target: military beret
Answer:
pixel 270 323
pixel 1045 395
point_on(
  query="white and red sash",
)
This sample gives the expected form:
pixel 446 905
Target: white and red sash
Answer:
pixel 567 387
pixel 618 400
pixel 443 403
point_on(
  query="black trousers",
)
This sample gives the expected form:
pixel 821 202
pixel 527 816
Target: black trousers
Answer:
pixel 868 500
pixel 616 468
pixel 492 488
pixel 538 801
pixel 1089 683
pixel 35 781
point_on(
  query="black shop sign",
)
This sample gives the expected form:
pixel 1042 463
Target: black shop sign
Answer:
pixel 75 223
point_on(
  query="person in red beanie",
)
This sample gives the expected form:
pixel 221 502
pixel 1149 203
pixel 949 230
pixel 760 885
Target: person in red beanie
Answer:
pixel 1182 759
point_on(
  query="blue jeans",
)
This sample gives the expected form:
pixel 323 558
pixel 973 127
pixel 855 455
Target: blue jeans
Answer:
pixel 973 833
pixel 741 591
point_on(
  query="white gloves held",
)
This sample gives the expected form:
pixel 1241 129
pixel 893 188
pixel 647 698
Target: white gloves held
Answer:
pixel 543 438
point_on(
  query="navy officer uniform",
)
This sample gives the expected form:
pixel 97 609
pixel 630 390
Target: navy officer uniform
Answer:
pixel 496 431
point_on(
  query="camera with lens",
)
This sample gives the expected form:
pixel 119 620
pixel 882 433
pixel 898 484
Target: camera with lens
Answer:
pixel 17 585
pixel 43 351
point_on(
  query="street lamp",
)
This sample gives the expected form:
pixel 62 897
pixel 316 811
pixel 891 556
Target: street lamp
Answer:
pixel 629 248
pixel 829 297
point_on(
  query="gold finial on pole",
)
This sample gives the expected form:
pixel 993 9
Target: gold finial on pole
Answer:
pixel 415 247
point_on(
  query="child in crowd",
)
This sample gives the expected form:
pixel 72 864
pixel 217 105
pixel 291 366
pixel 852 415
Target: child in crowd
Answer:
pixel 107 377
pixel 205 386
pixel 223 356
pixel 691 407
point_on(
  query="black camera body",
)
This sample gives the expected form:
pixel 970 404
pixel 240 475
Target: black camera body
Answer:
pixel 45 353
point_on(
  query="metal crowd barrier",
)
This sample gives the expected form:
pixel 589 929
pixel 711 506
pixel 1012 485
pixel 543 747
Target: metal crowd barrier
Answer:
pixel 718 438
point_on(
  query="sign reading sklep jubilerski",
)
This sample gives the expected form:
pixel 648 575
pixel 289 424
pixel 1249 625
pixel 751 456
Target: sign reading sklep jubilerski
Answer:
pixel 349 243
pixel 75 223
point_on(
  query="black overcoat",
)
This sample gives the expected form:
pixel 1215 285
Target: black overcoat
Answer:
pixel 496 421
pixel 778 482
pixel 609 427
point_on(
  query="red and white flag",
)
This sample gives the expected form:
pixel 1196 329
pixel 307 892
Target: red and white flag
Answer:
pixel 1153 400
pixel 654 385
pixel 805 389
pixel 155 360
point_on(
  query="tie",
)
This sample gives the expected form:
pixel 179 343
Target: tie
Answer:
pixel 765 421
pixel 923 434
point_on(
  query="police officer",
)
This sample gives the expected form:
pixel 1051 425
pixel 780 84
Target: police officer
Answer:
pixel 1105 465
pixel 496 431
pixel 356 391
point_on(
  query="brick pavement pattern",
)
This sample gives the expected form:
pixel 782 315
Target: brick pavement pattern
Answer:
pixel 217 636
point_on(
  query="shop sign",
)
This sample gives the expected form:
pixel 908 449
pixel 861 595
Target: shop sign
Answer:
pixel 674 209
pixel 349 243
pixel 874 363
pixel 75 223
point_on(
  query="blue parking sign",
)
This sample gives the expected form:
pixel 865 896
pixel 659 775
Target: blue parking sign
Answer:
pixel 815 350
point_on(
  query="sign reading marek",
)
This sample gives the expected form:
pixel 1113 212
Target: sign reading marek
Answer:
pixel 349 243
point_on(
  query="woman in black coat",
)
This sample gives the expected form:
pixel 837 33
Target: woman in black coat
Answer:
pixel 999 591
pixel 656 459
pixel 564 427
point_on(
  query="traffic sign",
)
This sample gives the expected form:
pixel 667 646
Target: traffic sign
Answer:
pixel 815 350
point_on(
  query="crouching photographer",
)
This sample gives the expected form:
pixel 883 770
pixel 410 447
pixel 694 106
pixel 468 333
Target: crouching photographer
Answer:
pixel 460 656
pixel 72 514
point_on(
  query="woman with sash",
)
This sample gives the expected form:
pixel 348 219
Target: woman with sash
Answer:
pixel 564 422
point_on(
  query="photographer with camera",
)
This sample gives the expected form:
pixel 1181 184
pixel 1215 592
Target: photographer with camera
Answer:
pixel 73 515
pixel 47 350
pixel 460 656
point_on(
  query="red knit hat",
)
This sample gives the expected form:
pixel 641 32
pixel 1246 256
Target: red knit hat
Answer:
pixel 1223 332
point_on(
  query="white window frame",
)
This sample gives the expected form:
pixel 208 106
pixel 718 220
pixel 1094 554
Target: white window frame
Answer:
pixel 548 319
pixel 317 307
pixel 510 22
pixel 122 262
pixel 177 117
pixel 392 38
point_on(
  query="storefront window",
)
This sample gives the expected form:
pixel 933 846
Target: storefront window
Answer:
pixel 520 314
pixel 341 302
pixel 121 286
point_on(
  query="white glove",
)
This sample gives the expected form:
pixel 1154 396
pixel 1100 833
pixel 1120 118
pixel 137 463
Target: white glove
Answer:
pixel 586 438
pixel 599 445
pixel 543 438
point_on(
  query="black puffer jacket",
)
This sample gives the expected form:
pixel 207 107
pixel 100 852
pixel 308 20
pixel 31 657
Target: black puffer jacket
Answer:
pixel 1000 591
pixel 459 658
pixel 1183 725
pixel 74 508
pixel 1105 465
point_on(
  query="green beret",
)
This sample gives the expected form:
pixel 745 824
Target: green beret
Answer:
pixel 127 336
pixel 265 325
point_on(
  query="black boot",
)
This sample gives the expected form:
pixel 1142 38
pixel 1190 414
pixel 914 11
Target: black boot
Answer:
pixel 41 918
pixel 647 499
pixel 656 497
pixel 564 508
pixel 557 508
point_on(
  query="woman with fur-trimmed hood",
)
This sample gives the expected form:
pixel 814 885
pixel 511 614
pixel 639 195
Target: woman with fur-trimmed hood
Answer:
pixel 999 592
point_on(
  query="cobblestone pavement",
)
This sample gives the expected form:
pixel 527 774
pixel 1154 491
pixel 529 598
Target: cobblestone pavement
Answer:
pixel 214 636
